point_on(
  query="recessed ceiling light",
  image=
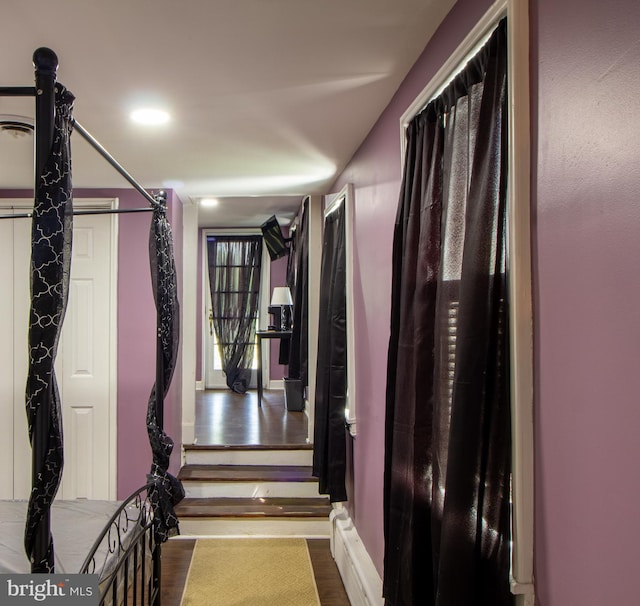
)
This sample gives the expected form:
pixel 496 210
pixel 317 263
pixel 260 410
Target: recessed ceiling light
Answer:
pixel 210 202
pixel 150 116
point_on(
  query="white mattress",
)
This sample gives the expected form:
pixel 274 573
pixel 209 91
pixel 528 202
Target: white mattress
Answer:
pixel 75 526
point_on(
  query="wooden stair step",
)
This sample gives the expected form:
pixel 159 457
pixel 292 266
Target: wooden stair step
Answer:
pixel 274 507
pixel 234 447
pixel 284 454
pixel 246 473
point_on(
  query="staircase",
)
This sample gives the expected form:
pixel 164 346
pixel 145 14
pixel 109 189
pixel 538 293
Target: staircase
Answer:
pixel 251 491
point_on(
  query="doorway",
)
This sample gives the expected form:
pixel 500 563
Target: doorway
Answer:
pixel 213 375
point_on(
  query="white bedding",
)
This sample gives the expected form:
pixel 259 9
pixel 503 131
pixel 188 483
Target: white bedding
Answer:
pixel 75 526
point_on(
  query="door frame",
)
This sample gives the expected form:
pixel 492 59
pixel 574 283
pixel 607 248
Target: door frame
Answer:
pixel 265 289
pixel 346 197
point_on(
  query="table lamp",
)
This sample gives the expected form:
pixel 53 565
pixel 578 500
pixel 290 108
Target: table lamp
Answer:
pixel 282 296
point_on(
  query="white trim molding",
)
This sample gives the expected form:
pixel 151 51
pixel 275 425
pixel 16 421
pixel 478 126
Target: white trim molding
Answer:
pixel 359 576
pixel 346 196
pixel 189 320
pixel 519 265
pixel 520 296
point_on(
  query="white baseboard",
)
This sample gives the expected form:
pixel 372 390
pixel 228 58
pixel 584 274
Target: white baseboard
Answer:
pixel 359 576
pixel 276 384
pixel 199 385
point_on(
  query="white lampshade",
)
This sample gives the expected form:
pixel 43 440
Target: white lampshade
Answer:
pixel 281 296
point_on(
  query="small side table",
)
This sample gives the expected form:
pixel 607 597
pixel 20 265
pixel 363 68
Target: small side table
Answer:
pixel 266 334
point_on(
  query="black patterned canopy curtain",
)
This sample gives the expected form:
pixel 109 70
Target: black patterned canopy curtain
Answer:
pixel 330 435
pixel 166 491
pixel 447 450
pixel 299 350
pixel 51 237
pixel 234 280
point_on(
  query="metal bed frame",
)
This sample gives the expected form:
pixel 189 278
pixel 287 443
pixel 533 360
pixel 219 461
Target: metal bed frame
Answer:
pixel 126 555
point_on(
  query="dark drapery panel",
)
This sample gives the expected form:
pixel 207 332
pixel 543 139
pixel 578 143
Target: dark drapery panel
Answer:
pixel 166 490
pixel 292 259
pixel 234 280
pixel 447 474
pixel 284 350
pixel 329 439
pixel 51 237
pixel 299 351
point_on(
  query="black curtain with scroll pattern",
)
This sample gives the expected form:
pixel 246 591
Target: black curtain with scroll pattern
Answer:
pixel 51 237
pixel 166 490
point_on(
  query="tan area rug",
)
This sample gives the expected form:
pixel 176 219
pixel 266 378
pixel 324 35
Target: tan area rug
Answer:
pixel 250 572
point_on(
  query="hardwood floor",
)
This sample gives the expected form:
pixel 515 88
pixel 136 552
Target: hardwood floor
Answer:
pixel 176 557
pixel 227 418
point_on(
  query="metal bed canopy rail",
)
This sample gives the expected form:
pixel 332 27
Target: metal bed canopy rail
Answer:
pixel 46 65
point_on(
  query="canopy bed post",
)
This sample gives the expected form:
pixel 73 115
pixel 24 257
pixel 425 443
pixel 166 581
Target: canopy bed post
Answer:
pixel 161 199
pixel 46 65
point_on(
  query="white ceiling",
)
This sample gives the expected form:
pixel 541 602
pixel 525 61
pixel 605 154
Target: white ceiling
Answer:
pixel 269 98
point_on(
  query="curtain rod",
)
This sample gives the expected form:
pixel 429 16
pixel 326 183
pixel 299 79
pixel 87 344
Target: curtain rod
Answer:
pixel 94 211
pixel 17 91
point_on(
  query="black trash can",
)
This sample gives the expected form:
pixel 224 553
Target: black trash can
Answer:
pixel 293 394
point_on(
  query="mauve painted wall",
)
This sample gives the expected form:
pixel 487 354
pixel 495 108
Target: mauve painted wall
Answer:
pixel 136 336
pixel 375 172
pixel 278 278
pixel 587 318
pixel 586 220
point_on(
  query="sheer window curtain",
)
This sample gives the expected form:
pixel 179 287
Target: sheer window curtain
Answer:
pixel 447 451
pixel 234 280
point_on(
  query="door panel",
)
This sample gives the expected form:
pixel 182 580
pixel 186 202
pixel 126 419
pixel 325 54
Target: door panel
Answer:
pixel 83 363
pixel 6 359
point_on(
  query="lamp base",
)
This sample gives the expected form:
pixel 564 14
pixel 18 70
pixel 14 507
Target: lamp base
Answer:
pixel 285 317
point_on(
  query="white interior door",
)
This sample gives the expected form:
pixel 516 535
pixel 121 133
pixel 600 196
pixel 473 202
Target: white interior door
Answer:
pixel 85 366
pixel 7 357
pixel 21 299
pixel 15 472
pixel 84 363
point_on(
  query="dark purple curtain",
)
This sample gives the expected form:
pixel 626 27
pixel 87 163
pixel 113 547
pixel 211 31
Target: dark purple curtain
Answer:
pixel 447 472
pixel 330 434
pixel 51 237
pixel 234 280
pixel 166 490
pixel 299 350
